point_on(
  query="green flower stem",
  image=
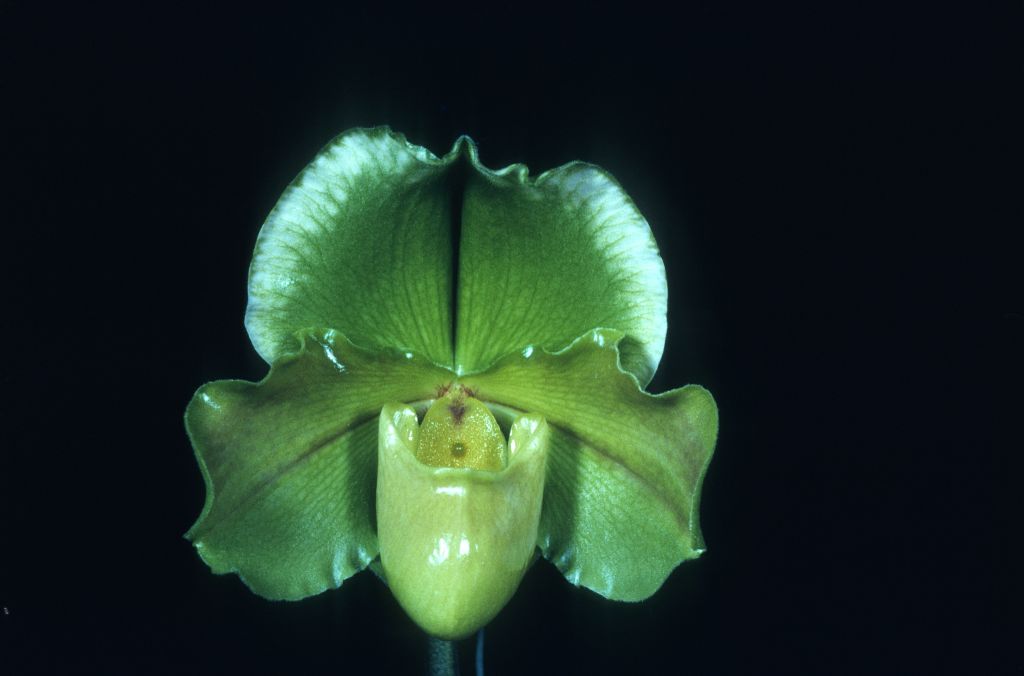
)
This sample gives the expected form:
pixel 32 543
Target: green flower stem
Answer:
pixel 480 652
pixel 442 657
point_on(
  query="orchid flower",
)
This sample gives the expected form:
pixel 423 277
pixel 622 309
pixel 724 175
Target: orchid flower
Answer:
pixel 457 359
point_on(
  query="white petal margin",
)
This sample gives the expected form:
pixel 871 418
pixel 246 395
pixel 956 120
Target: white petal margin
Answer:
pixel 545 260
pixel 359 242
pixel 621 231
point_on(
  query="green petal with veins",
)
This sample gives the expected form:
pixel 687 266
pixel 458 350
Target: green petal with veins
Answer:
pixel 363 241
pixel 625 467
pixel 290 464
pixel 360 242
pixel 543 260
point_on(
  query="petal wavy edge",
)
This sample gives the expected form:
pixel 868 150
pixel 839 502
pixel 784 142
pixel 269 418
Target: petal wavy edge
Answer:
pixel 320 337
pixel 643 359
pixel 646 356
pixel 604 338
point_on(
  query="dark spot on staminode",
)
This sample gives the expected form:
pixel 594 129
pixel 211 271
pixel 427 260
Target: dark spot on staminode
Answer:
pixel 458 410
pixel 458 449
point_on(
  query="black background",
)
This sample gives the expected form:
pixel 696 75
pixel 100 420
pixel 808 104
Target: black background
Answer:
pixel 830 190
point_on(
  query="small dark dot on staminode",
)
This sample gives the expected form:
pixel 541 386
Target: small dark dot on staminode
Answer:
pixel 458 449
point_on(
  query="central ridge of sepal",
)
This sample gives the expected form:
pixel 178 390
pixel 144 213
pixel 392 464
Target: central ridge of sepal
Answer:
pixel 457 509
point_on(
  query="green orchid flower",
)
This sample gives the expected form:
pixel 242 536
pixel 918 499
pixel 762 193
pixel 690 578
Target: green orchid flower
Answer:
pixel 457 359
